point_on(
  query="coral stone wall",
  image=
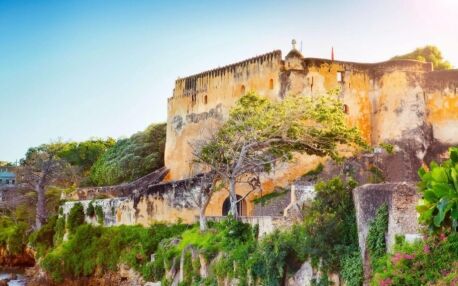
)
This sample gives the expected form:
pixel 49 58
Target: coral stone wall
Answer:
pixel 400 101
pixel 200 103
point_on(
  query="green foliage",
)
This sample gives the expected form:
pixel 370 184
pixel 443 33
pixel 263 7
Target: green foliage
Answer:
pixel 75 217
pixel 266 198
pixel 43 239
pixel 352 269
pixel 330 224
pixel 389 148
pixel 439 187
pixel 315 172
pixel 90 212
pixel 100 215
pixel 131 158
pixel 432 261
pixel 91 247
pixel 375 241
pixel 427 54
pixel 13 235
pixel 59 230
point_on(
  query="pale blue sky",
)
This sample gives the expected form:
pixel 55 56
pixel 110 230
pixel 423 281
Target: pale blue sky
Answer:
pixel 80 69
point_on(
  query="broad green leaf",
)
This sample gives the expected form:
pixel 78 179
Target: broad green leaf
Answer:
pixel 442 190
pixel 454 212
pixel 454 155
pixel 430 196
pixel 439 175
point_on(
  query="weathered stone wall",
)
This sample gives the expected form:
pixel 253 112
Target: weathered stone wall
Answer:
pixel 401 199
pixel 403 102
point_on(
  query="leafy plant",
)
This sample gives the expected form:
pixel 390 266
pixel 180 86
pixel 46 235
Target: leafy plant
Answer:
pixel 75 217
pixel 100 215
pixel 375 241
pixel 90 211
pixel 439 186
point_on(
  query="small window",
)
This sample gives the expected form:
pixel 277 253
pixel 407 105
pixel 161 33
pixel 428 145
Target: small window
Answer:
pixel 7 182
pixel 205 99
pixel 271 84
pixel 345 109
pixel 13 182
pixel 339 76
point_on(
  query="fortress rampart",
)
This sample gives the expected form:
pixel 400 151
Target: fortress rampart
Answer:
pixel 390 102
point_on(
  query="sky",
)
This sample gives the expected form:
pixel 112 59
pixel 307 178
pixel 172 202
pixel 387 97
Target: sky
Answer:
pixel 75 70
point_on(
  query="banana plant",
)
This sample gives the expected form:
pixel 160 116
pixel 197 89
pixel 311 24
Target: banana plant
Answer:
pixel 438 207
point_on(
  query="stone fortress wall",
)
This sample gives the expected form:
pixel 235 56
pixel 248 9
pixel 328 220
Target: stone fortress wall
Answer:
pixel 401 102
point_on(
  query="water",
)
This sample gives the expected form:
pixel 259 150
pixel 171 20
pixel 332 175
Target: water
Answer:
pixel 20 279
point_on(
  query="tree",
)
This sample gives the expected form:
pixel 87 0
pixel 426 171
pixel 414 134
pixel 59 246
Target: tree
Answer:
pixel 260 133
pixel 202 187
pixel 131 158
pixel 41 169
pixel 427 54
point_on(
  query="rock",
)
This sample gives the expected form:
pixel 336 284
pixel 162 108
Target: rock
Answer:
pixel 152 284
pixel 303 277
pixel 13 276
pixel 3 283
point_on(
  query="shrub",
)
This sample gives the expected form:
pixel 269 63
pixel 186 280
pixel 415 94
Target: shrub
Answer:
pixel 75 217
pixel 89 247
pixel 43 239
pixel 13 235
pixel 90 209
pixel 375 242
pixel 429 262
pixel 439 187
pixel 100 215
pixel 330 224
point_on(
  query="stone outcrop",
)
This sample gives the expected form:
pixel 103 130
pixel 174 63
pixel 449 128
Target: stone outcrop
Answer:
pixel 24 259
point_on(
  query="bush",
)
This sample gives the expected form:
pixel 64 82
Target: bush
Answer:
pixel 100 215
pixel 90 247
pixel 43 239
pixel 75 217
pixel 13 235
pixel 330 224
pixel 439 187
pixel 90 210
pixel 430 262
pixel 375 242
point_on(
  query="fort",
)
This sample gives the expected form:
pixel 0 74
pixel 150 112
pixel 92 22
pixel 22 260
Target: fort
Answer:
pixel 405 103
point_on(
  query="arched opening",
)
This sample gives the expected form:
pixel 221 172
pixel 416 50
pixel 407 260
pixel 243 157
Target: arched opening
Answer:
pixel 271 84
pixel 242 89
pixel 205 99
pixel 241 206
pixel 345 109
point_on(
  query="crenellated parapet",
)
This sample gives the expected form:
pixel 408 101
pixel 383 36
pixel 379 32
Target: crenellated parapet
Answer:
pixel 189 86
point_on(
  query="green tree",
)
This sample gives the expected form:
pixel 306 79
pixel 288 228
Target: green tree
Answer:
pixel 260 132
pixel 131 158
pixel 427 54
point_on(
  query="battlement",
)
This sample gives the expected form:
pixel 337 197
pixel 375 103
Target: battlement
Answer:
pixel 391 65
pixel 190 85
pixel 275 55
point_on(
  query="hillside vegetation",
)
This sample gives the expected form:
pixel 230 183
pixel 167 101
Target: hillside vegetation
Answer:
pixel 131 158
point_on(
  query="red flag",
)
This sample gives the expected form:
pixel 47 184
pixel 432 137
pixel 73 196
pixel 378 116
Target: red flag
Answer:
pixel 332 53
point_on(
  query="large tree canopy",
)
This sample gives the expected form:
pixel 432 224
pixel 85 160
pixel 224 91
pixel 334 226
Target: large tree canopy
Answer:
pixel 259 133
pixel 131 158
pixel 427 54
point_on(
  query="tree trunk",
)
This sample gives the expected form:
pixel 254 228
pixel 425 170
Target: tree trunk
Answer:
pixel 202 219
pixel 233 198
pixel 40 217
